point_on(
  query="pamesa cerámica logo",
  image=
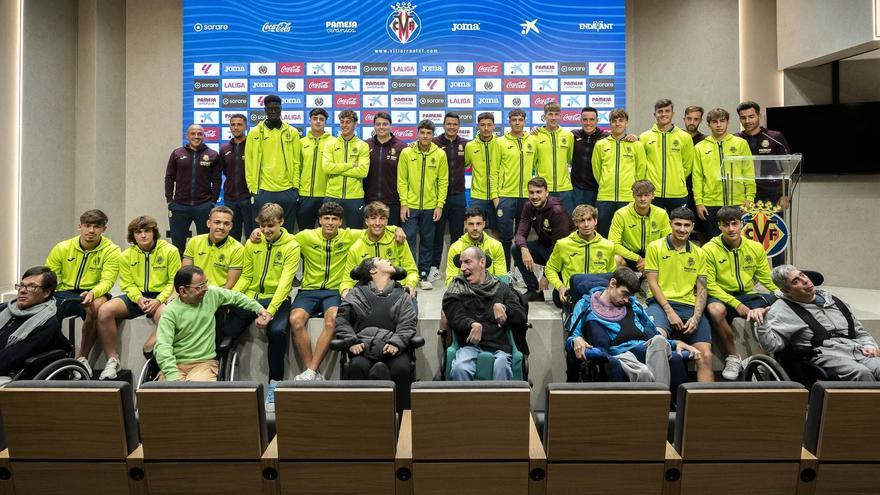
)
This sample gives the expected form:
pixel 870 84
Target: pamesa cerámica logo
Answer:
pixel 403 25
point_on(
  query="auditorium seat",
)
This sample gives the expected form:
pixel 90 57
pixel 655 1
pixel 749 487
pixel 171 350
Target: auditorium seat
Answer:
pixel 68 437
pixel 204 437
pixel 740 437
pixel 470 438
pixel 598 434
pixel 842 433
pixel 335 437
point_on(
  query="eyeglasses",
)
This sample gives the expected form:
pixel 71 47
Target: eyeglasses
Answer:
pixel 201 286
pixel 28 287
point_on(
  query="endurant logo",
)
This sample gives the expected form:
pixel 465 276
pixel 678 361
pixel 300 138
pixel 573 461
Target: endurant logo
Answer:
pixel 291 68
pixel 488 68
pixel 517 85
pixel 319 85
pixel 596 26
pixel 347 101
pixel 278 27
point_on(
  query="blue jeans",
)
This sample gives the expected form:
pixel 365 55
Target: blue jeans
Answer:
pixel 584 196
pixel 287 199
pixel 278 332
pixel 567 198
pixel 393 214
pixel 464 366
pixel 453 214
pixel 508 221
pixel 242 218
pixel 421 224
pixel 353 209
pixel 182 216
pixel 307 212
pixel 606 214
pixel 540 253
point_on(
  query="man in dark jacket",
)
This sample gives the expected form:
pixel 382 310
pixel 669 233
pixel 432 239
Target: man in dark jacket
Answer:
pixel 28 325
pixel 381 182
pixel 480 307
pixel 376 320
pixel 235 189
pixel 585 186
pixel 551 222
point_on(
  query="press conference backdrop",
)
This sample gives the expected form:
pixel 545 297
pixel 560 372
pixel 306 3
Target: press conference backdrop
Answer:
pixel 417 60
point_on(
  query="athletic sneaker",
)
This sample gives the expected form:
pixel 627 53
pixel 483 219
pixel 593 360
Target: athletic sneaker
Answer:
pixel 516 279
pixel 319 377
pixel 733 366
pixel 424 284
pixel 434 274
pixel 270 396
pixel 110 369
pixel 306 376
pixel 85 362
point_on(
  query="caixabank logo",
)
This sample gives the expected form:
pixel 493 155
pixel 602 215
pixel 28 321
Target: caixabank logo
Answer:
pixel 403 25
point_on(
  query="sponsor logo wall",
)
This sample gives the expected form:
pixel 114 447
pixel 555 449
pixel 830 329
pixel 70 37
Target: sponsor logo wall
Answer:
pixel 417 60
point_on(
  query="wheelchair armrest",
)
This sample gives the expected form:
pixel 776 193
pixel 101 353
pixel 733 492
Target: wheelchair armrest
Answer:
pixel 337 345
pixel 44 358
pixel 416 342
pixel 594 353
pixel 687 356
pixel 225 344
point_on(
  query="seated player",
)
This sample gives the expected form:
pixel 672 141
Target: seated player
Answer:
pixel 376 321
pixel 812 321
pixel 676 272
pixel 639 223
pixel 86 266
pixel 146 277
pixel 186 337
pixel 28 325
pixel 480 307
pixel 617 324
pixel 583 251
pixel 474 226
pixel 732 265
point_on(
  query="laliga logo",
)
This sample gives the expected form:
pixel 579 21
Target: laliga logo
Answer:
pixel 763 225
pixel 403 24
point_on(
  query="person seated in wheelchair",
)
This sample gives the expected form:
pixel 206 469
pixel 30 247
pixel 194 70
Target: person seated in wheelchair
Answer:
pixel 29 325
pixel 816 324
pixel 479 308
pixel 611 320
pixel 186 337
pixel 584 251
pixel 376 321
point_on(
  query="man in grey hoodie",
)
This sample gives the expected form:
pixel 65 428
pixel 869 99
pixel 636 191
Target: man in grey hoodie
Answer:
pixel 807 319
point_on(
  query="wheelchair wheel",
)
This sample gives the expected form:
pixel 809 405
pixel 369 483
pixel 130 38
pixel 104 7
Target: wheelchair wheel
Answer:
pixel 761 368
pixel 64 369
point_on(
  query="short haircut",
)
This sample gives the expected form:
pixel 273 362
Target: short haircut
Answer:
pixel 694 108
pixel 376 209
pixel 537 181
pixel 516 112
pixel 348 114
pixel 552 106
pixel 270 212
pixel 627 278
pixel 331 208
pixel 662 103
pixel 643 186
pixel 184 276
pixel 747 105
pixel 590 109
pixel 221 209
pixel 717 114
pixel 474 212
pixel 486 115
pixel 477 252
pixel 382 115
pixel 364 268
pixel 49 281
pixel 728 214
pixel 145 222
pixel 237 116
pixel 451 115
pixel 780 275
pixel 682 213
pixel 426 124
pixel 318 111
pixel 94 217
pixel 271 99
pixel 618 113
pixel 584 211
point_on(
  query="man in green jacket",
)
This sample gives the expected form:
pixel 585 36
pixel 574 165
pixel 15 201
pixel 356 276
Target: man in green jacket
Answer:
pixel 670 153
pixel 517 150
pixel 312 179
pixel 87 267
pixel 272 162
pixel 639 223
pixel 346 163
pixel 185 341
pixel 555 149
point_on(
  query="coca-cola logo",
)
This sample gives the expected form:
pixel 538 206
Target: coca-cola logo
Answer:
pixel 351 101
pixel 404 133
pixel 318 85
pixel 570 117
pixel 488 68
pixel 538 101
pixel 516 84
pixel 278 27
pixel 290 68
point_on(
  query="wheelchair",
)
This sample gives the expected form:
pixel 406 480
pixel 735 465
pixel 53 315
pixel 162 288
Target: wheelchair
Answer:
pixel 56 363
